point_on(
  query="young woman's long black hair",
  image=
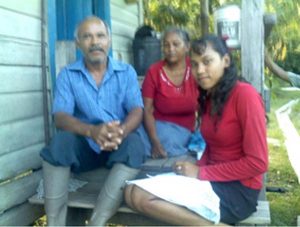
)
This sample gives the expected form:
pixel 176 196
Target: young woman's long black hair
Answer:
pixel 223 88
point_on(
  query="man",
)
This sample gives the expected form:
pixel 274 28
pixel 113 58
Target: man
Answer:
pixel 97 107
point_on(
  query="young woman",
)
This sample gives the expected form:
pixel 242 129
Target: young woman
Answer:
pixel 236 156
pixel 170 98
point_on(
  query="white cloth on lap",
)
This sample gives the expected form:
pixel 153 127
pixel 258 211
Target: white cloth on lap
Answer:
pixel 194 194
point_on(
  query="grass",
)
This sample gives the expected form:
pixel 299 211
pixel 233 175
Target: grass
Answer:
pixel 285 207
pixel 295 115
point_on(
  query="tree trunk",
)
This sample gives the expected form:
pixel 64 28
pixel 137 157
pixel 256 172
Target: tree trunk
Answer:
pixel 204 16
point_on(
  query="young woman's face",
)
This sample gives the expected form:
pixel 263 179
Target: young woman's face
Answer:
pixel 174 48
pixel 208 68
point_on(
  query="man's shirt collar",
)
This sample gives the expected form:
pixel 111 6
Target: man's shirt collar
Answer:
pixel 112 66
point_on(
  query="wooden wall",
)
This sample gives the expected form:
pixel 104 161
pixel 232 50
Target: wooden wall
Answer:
pixel 21 109
pixel 125 18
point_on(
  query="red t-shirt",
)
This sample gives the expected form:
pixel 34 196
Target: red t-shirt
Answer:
pixel 176 104
pixel 236 145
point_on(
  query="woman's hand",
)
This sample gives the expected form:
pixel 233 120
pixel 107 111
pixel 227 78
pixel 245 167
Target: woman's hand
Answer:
pixel 187 169
pixel 157 150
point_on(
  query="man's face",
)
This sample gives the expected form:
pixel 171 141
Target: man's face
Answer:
pixel 93 41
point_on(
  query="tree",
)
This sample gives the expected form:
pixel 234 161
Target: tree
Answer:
pixel 204 17
pixel 197 17
pixel 194 15
pixel 161 14
pixel 283 43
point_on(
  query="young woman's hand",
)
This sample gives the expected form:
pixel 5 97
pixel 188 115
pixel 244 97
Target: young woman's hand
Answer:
pixel 187 169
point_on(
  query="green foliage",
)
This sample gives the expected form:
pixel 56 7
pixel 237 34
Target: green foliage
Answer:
pixel 161 14
pixel 283 42
pixel 274 82
pixel 182 13
pixel 291 63
pixel 295 115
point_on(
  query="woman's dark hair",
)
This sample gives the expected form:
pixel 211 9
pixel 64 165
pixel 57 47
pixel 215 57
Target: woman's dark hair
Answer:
pixel 222 90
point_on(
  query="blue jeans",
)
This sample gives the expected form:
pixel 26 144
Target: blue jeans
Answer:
pixel 68 149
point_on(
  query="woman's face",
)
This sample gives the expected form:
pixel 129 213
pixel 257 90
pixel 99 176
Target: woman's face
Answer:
pixel 174 47
pixel 209 67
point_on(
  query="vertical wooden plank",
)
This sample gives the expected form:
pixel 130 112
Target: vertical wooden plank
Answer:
pixel 204 17
pixel 52 36
pixel 65 53
pixel 140 12
pixel 252 45
pixel 102 10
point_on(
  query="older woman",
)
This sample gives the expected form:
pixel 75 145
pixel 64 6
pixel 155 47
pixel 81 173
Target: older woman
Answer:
pixel 170 98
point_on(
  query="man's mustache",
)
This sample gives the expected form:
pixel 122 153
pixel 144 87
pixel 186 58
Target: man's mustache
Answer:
pixel 96 48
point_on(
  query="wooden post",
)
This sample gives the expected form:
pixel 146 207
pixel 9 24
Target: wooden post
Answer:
pixel 65 53
pixel 252 42
pixel 141 12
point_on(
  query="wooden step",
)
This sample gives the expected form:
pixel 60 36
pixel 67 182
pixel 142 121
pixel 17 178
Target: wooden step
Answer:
pixel 85 197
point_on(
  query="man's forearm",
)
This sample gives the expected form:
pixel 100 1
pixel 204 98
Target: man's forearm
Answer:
pixel 69 123
pixel 132 121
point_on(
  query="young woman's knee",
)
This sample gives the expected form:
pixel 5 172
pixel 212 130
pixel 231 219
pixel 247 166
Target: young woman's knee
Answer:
pixel 141 200
pixel 128 194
